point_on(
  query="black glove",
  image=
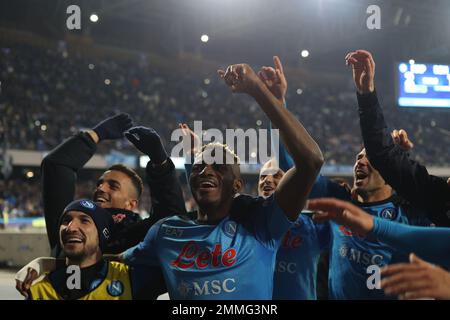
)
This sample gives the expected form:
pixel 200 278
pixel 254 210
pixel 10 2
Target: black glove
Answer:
pixel 113 127
pixel 147 141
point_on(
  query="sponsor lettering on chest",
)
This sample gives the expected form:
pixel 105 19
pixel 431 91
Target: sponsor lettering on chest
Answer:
pixel 193 256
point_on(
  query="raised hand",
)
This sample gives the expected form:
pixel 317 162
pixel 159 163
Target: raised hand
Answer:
pixel 363 67
pixel 240 78
pixel 400 137
pixel 194 139
pixel 274 79
pixel 113 127
pixel 148 142
pixel 415 280
pixel 343 213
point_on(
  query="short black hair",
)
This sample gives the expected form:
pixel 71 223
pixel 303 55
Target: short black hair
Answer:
pixel 135 179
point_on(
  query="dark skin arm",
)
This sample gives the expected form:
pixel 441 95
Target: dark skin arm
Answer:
pixel 297 182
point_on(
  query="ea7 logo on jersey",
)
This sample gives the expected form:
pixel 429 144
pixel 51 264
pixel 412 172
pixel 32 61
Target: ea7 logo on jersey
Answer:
pixel 207 287
pixel 389 213
pixel 173 232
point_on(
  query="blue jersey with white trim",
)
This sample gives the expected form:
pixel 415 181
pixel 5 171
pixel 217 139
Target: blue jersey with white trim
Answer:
pixel 234 259
pixel 351 255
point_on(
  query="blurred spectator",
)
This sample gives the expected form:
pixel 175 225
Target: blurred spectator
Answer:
pixel 47 95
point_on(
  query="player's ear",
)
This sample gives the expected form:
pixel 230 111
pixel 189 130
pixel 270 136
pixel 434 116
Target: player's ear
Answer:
pixel 238 184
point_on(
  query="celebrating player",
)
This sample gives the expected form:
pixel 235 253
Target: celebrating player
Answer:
pixel 213 254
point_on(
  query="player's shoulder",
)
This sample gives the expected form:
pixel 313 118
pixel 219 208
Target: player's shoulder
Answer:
pixel 179 219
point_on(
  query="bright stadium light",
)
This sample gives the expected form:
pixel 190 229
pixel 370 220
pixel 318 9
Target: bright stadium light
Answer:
pixel 304 53
pixel 93 17
pixel 204 38
pixel 411 61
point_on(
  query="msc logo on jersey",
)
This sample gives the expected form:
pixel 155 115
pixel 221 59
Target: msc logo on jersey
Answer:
pixel 184 288
pixel 343 250
pixel 361 257
pixel 206 287
pixel 230 228
pixel 115 288
pixel 388 213
pixel 87 204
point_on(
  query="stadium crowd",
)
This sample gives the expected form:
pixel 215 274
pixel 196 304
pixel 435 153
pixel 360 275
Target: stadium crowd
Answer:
pixel 48 94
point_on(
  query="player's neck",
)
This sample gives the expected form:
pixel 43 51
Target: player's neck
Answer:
pixel 214 214
pixel 85 262
pixel 376 195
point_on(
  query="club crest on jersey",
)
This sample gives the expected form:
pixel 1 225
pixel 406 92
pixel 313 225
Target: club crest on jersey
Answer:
pixel 115 288
pixel 230 228
pixel 388 213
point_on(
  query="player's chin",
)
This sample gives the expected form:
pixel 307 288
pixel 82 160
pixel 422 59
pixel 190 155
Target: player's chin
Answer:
pixel 206 199
pixel 73 253
pixel 267 194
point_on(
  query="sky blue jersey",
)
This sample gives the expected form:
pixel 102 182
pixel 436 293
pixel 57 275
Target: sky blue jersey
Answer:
pixel 234 259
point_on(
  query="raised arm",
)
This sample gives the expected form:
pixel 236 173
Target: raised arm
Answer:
pixel 275 81
pixel 430 243
pixel 167 197
pixel 409 178
pixel 297 182
pixel 59 168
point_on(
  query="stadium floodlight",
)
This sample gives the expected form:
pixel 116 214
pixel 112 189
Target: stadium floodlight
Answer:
pixel 304 53
pixel 204 38
pixel 411 61
pixel 93 17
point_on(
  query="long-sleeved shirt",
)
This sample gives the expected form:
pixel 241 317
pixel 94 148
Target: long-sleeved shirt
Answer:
pixel 431 244
pixel 59 174
pixel 407 177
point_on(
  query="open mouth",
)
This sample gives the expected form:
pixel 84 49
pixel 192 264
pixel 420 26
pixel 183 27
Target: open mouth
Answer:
pixel 268 188
pixel 100 198
pixel 207 184
pixel 72 240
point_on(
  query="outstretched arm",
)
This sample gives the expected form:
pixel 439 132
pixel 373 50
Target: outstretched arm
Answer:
pixel 431 243
pixel 308 159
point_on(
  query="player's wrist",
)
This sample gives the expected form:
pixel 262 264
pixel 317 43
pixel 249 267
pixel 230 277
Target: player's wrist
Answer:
pixel 94 136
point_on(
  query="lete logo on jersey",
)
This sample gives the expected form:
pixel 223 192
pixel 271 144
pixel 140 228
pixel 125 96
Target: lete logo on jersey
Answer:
pixel 192 255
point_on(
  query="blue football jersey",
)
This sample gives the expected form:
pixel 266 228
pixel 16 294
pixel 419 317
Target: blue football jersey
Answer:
pixel 297 258
pixel 234 259
pixel 350 255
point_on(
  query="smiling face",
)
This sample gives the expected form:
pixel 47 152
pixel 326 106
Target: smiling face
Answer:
pixel 366 178
pixel 115 190
pixel 269 178
pixel 79 236
pixel 213 185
